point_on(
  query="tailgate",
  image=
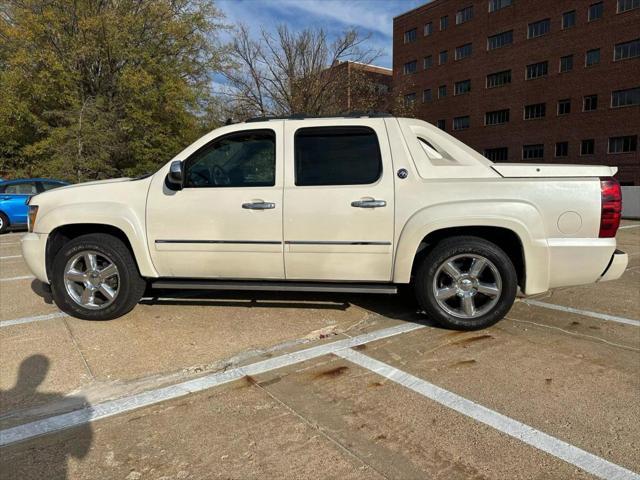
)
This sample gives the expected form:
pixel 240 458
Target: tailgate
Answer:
pixel 532 170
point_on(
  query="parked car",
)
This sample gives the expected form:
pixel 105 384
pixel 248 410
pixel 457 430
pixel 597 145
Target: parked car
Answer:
pixel 14 196
pixel 349 204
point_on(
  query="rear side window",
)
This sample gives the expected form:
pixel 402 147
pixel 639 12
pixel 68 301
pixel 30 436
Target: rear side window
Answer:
pixel 337 156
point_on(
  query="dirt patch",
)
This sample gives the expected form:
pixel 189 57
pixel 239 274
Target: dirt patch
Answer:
pixel 467 341
pixel 332 373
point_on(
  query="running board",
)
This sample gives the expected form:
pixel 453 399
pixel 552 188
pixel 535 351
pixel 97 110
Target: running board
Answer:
pixel 276 286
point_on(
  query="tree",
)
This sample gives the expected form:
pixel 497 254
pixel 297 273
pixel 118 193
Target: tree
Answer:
pixel 101 88
pixel 287 73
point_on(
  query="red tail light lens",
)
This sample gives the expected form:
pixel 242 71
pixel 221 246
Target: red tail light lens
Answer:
pixel 611 209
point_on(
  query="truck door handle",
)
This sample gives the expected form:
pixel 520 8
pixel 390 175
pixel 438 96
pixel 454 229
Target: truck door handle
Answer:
pixel 369 203
pixel 260 205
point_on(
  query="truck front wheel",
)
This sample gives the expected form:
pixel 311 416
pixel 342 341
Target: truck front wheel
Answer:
pixel 466 283
pixel 95 277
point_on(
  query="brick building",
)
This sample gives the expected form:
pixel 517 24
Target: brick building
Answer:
pixel 527 80
pixel 355 78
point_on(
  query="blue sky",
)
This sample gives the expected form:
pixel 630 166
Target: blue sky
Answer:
pixel 369 16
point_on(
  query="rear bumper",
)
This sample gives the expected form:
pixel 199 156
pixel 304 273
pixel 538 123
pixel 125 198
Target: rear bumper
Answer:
pixel 580 261
pixel 34 246
pixel 616 267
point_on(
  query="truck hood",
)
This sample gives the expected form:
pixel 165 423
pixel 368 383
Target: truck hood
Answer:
pixel 543 170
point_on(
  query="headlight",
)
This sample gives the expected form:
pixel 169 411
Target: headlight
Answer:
pixel 31 219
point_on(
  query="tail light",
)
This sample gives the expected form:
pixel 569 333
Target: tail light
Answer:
pixel 611 208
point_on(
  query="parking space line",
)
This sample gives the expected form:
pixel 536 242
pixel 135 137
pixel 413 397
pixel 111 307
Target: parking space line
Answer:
pixel 36 318
pixel 114 407
pixel 13 279
pixel 585 313
pixel 628 226
pixel 9 243
pixel 10 256
pixel 565 451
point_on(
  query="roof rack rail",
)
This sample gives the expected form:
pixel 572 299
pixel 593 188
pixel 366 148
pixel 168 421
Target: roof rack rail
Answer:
pixel 302 116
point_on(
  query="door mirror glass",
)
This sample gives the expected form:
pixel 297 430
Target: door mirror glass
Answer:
pixel 175 177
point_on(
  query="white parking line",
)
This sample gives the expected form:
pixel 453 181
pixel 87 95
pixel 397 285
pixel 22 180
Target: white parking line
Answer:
pixel 37 318
pixel 10 256
pixel 9 243
pixel 586 461
pixel 629 226
pixel 585 313
pixel 13 279
pixel 126 404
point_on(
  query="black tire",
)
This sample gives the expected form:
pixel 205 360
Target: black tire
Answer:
pixel 131 284
pixel 4 223
pixel 452 247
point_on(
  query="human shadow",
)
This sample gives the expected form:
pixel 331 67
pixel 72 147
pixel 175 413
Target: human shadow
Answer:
pixel 25 455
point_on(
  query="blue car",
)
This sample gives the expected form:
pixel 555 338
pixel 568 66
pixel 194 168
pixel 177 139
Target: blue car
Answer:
pixel 14 195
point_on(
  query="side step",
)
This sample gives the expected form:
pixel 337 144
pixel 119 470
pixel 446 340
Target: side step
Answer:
pixel 181 284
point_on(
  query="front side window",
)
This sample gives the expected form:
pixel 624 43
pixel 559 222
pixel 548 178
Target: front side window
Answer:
pixel 336 156
pixel 241 159
pixel 23 188
pixel 537 29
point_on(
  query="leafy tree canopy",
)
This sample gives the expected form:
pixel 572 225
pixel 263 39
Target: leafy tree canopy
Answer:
pixel 103 88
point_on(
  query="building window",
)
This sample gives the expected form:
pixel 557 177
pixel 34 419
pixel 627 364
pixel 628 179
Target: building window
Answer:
pixel 588 147
pixel 444 22
pixel 625 144
pixel 499 40
pixel 409 99
pixel 463 51
pixel 564 106
pixel 537 110
pixel 410 35
pixel 626 5
pixel 427 62
pixel 428 29
pixel 592 57
pixel 410 67
pixel 495 5
pixel 443 57
pixel 442 91
pixel 590 103
pixel 441 124
pixel 566 63
pixel 595 11
pixel 625 98
pixel 626 50
pixel 427 96
pixel 562 149
pixel 537 29
pixel 568 19
pixel 461 123
pixel 500 154
pixel 537 70
pixel 533 152
pixel 497 117
pixel 464 15
pixel 498 79
pixel 462 87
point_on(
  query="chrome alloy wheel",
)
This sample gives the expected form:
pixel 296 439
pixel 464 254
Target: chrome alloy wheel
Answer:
pixel 92 280
pixel 467 286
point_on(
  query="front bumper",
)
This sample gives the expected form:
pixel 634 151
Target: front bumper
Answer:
pixel 616 267
pixel 34 250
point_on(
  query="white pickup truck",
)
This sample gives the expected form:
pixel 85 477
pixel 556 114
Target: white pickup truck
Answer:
pixel 345 204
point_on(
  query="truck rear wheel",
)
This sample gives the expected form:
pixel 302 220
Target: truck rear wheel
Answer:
pixel 95 277
pixel 466 283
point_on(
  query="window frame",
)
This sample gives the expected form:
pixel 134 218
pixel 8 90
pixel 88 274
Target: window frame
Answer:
pixel 410 36
pixel 625 91
pixel 503 115
pixel 335 128
pixel 544 64
pixel 563 101
pixel 537 107
pixel 623 138
pixel 589 98
pixel 428 29
pixel 566 57
pixel 185 163
pixel 628 45
pixel 460 83
pixel 586 58
pixel 574 16
pixel 632 7
pixel 499 43
pixel 466 119
pixel 531 147
pixel 495 75
pixel 565 144
pixel 531 34
pixel 601 10
pixel 593 145
pixel 464 15
pixel 497 5
pixel 495 150
pixel 461 51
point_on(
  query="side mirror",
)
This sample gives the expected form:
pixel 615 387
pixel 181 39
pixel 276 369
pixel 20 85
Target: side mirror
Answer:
pixel 175 177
